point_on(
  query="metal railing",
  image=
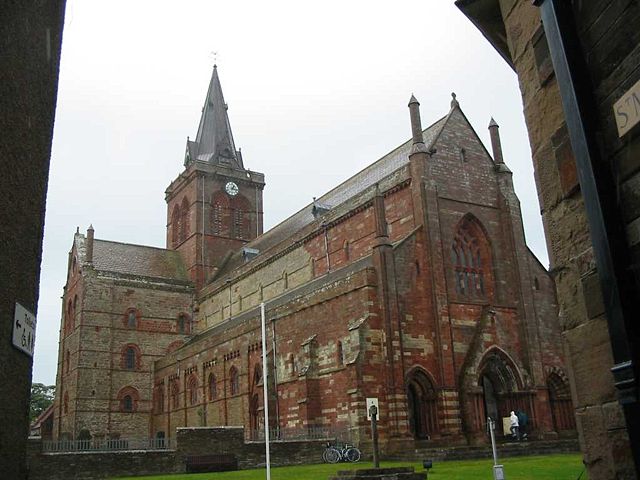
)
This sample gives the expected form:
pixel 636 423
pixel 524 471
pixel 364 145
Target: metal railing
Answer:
pixel 106 445
pixel 301 433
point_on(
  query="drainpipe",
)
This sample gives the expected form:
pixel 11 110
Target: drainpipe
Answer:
pixel 606 226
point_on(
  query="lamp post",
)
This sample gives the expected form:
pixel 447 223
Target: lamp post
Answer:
pixel 264 390
pixel 498 470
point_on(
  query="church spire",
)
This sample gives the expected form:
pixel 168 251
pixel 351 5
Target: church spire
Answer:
pixel 214 140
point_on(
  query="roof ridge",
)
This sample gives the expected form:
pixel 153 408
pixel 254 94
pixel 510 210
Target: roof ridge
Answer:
pixel 370 166
pixel 135 245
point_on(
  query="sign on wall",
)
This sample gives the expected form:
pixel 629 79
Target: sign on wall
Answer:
pixel 24 330
pixel 627 110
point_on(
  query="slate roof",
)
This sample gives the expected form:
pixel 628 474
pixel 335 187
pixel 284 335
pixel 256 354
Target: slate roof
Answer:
pixel 138 260
pixel 214 140
pixel 351 187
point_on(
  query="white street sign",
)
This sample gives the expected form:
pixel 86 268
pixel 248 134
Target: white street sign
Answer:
pixel 24 330
pixel 372 401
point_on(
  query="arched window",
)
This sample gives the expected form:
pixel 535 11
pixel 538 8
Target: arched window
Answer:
pixel 66 362
pixel 257 375
pixel 175 394
pixel 292 364
pixel 75 308
pixel 470 258
pixel 128 398
pixel 339 354
pixel 183 324
pixel 238 223
pixel 65 402
pixel 175 226
pixel 69 322
pixel 184 220
pixel 234 381
pixel 131 318
pixel 130 358
pixel 192 390
pixel 213 387
pixel 216 217
pixel 159 397
pixel 127 403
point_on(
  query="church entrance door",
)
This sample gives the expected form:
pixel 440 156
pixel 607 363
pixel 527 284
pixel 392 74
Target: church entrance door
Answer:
pixel 500 385
pixel 422 401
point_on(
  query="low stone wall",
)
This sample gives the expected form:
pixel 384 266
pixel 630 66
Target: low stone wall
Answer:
pixel 96 465
pixel 189 442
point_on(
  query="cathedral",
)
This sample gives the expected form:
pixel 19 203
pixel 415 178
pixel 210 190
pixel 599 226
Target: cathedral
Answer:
pixel 409 283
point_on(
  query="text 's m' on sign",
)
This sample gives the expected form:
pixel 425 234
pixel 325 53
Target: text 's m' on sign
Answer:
pixel 627 110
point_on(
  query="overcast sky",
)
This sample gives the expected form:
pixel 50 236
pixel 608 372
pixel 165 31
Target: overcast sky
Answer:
pixel 316 92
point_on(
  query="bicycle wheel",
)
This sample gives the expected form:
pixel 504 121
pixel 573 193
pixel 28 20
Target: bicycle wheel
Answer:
pixel 352 454
pixel 332 455
pixel 324 455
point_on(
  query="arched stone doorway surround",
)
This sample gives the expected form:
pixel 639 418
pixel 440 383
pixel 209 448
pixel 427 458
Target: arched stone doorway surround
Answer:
pixel 422 404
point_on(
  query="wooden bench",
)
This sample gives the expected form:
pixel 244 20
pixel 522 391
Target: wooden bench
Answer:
pixel 211 463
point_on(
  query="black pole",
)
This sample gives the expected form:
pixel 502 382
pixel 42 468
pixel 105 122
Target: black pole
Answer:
pixel 373 411
pixel 606 225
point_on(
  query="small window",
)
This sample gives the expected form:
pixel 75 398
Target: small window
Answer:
pixel 192 387
pixel 128 397
pixel 463 155
pixel 183 324
pixel 175 394
pixel 213 387
pixel 234 381
pixel 65 403
pixel 66 362
pixel 175 226
pixel 130 358
pixel 131 318
pixel 339 354
pixel 160 398
pixel 257 375
pixel 542 56
pixel 536 283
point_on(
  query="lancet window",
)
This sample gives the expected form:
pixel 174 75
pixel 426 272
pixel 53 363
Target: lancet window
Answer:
pixel 467 260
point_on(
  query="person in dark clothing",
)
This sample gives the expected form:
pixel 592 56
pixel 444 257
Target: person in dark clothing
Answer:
pixel 523 420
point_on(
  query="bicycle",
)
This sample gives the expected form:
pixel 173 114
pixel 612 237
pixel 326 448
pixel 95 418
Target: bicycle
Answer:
pixel 347 453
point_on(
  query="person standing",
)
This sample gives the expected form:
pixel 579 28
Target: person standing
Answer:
pixel 515 425
pixel 523 420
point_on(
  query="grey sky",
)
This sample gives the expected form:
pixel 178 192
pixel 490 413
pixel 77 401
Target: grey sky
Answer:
pixel 316 91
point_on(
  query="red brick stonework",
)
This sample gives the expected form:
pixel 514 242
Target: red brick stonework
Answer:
pixel 410 282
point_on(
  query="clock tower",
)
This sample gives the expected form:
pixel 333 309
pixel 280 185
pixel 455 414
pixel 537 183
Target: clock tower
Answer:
pixel 215 204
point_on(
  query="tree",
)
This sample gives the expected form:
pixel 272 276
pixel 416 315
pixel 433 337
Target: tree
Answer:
pixel 41 398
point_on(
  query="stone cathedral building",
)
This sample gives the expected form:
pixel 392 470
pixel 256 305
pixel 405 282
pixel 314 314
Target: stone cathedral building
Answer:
pixel 410 282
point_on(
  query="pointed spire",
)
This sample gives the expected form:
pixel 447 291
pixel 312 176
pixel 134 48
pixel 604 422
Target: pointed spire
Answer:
pixel 416 126
pixel 454 101
pixel 214 140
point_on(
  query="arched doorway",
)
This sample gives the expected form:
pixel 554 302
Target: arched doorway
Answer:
pixel 422 401
pixel 500 385
pixel 561 404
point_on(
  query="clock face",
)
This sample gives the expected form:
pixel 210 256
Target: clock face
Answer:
pixel 231 188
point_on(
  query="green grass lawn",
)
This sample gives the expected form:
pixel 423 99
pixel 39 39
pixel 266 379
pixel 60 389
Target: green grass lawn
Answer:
pixel 549 467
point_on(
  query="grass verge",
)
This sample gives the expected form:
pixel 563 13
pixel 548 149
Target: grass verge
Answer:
pixel 548 467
